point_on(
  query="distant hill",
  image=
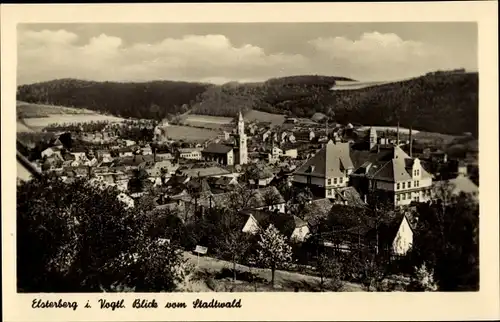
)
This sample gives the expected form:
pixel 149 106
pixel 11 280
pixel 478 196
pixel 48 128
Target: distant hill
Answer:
pixel 444 103
pixel 154 99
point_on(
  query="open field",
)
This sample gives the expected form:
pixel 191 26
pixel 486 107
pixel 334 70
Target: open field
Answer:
pixel 40 122
pixel 21 127
pixel 31 110
pixel 389 128
pixel 353 85
pixel 187 133
pixel 34 117
pixel 211 273
pixel 208 119
pixel 432 137
pixel 259 116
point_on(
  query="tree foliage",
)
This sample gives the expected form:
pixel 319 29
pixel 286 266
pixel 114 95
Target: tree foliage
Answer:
pixel 150 100
pixel 447 241
pixel 330 272
pixel 73 237
pixel 273 250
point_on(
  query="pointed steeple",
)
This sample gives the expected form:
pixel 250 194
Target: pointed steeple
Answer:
pixel 240 117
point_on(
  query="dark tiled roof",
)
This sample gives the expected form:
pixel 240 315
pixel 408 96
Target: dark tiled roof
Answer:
pixel 388 163
pixel 217 148
pixel 331 161
pixel 136 160
pixel 351 197
pixel 316 210
pixel 257 198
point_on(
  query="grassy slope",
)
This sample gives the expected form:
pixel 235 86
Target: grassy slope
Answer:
pixel 207 267
pixel 32 117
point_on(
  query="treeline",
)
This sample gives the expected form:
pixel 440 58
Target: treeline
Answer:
pixel 149 100
pixel 67 244
pixel 300 96
pixel 93 126
pixel 444 103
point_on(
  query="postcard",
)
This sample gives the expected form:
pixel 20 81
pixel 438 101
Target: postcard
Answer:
pixel 250 161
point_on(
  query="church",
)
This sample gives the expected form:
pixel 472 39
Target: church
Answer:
pixel 230 153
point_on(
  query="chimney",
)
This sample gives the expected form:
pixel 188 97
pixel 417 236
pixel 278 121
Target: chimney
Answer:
pixel 411 144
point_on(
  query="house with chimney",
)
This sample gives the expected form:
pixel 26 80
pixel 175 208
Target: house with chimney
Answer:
pixel 329 169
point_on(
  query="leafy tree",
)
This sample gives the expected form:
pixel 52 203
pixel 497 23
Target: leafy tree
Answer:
pixel 423 280
pixel 446 240
pixel 234 244
pixel 72 237
pixel 273 251
pixel 374 271
pixel 138 181
pixel 241 198
pixel 299 200
pixel 157 266
pixel 330 272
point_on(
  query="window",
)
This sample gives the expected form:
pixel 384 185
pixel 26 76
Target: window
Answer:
pixel 334 180
pixel 340 179
pixel 409 184
pixel 398 197
pixel 329 192
pixel 397 186
pixel 417 198
pixel 403 196
pixel 403 185
pixel 329 181
pixel 408 195
pixel 418 183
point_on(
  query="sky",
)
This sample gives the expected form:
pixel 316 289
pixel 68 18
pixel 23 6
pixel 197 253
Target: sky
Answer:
pixel 243 52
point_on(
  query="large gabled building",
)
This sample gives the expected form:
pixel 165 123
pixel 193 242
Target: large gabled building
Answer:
pixel 391 174
pixel 219 153
pixel 326 171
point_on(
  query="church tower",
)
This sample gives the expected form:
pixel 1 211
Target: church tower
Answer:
pixel 242 140
pixel 373 138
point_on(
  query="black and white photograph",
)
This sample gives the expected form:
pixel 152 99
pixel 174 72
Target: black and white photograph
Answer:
pixel 247 157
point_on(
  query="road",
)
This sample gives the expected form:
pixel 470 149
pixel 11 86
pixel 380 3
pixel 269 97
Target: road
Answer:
pixel 286 279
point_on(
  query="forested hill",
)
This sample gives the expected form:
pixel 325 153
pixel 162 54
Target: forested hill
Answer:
pixel 136 100
pixel 445 103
